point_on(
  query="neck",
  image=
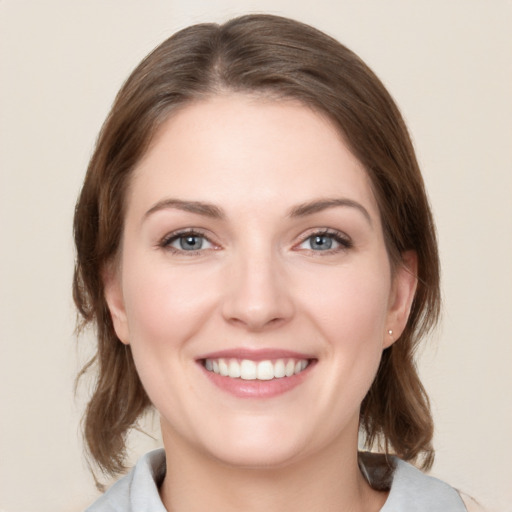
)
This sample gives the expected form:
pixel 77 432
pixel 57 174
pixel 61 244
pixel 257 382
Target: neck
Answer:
pixel 329 481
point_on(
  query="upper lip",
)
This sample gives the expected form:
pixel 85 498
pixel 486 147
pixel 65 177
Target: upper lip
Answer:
pixel 255 354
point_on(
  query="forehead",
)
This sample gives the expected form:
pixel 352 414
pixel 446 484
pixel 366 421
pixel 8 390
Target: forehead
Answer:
pixel 239 148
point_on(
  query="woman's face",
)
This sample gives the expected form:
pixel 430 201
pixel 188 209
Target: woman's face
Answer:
pixel 254 287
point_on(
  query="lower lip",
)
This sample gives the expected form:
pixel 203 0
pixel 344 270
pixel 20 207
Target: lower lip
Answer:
pixel 257 388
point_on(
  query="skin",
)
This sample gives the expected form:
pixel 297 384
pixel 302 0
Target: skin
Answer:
pixel 258 282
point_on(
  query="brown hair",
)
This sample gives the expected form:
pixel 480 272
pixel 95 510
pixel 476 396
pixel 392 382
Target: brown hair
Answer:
pixel 280 58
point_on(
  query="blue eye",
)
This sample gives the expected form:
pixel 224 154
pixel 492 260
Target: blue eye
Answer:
pixel 325 242
pixel 321 242
pixel 187 242
pixel 190 242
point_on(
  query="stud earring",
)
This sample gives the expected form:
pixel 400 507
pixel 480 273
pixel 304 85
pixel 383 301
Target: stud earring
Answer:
pixel 390 332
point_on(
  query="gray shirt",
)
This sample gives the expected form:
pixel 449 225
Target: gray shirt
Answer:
pixel 410 489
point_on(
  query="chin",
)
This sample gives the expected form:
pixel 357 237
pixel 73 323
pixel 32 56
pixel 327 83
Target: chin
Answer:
pixel 257 457
pixel 260 444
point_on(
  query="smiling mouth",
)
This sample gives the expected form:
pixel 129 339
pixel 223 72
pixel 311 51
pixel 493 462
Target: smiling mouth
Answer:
pixel 246 369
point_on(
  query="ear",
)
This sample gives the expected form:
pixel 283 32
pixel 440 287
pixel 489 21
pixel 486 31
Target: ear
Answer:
pixel 113 291
pixel 402 295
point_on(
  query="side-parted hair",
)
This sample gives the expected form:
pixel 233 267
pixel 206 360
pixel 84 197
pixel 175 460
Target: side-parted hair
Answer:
pixel 277 58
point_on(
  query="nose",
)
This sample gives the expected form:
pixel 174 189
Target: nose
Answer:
pixel 257 295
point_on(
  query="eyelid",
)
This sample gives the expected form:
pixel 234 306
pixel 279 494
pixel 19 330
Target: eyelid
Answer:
pixel 166 240
pixel 339 236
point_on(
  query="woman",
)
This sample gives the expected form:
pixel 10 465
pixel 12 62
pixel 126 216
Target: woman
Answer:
pixel 256 250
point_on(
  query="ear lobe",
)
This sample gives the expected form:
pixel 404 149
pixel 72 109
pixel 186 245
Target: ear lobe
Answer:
pixel 405 281
pixel 115 301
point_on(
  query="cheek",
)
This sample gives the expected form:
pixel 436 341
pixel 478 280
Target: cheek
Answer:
pixel 351 316
pixel 350 312
pixel 165 309
pixel 165 306
pixel 351 306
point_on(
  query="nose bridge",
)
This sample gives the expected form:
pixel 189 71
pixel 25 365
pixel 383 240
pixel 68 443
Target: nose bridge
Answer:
pixel 258 294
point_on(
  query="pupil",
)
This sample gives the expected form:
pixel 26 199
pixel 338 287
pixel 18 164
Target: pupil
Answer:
pixel 321 242
pixel 191 243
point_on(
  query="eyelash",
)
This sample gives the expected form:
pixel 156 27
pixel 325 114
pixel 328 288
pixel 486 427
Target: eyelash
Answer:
pixel 343 240
pixel 166 242
pixel 340 238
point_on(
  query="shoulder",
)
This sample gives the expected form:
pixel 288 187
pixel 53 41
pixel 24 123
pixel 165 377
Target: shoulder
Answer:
pixel 411 490
pixel 138 490
pixel 471 504
pixel 421 492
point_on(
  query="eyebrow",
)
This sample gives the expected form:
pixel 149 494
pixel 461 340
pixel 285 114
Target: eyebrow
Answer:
pixel 301 210
pixel 319 205
pixel 198 207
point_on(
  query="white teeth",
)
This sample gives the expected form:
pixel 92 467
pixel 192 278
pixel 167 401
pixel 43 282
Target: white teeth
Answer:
pixel 290 368
pixel 265 370
pixel 247 369
pixel 234 369
pixel 223 367
pixel 279 369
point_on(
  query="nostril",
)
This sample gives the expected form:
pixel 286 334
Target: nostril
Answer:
pixel 256 297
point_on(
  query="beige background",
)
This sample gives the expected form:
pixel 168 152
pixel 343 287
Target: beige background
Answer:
pixel 448 64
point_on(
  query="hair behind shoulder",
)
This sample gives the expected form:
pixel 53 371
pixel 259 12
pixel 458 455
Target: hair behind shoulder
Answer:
pixel 278 58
